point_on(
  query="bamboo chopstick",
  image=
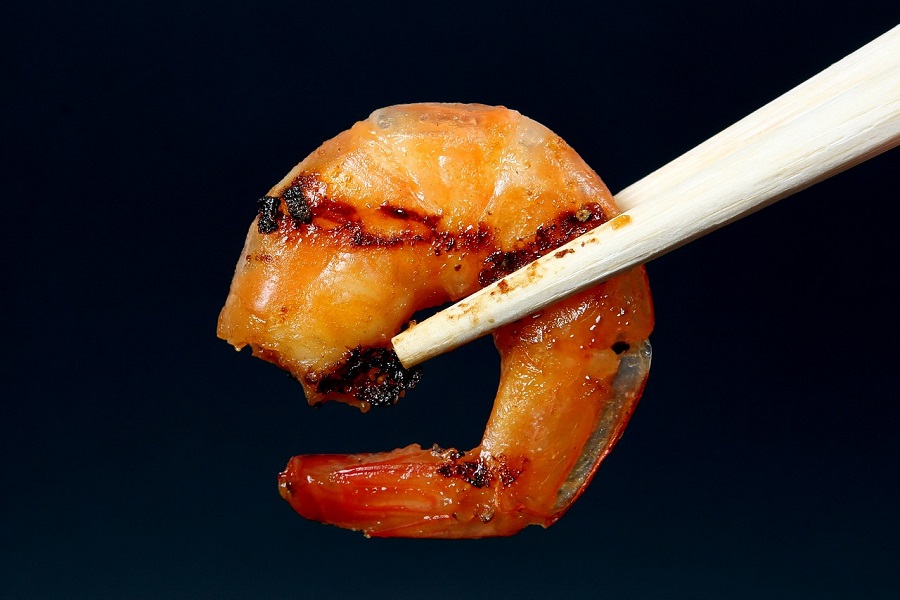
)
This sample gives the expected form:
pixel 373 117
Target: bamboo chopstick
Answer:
pixel 841 117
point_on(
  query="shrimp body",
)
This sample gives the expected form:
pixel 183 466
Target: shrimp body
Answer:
pixel 416 206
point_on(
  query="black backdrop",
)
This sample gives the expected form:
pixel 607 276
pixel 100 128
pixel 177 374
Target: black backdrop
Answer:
pixel 139 452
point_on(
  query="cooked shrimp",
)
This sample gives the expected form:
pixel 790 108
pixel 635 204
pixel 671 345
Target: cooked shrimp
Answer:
pixel 416 206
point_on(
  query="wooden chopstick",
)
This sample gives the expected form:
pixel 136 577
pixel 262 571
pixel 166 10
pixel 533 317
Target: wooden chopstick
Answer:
pixel 841 117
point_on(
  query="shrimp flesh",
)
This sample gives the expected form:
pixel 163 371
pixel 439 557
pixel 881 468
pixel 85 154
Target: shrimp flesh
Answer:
pixel 416 206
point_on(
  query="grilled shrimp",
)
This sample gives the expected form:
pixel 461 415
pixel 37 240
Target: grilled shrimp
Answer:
pixel 416 206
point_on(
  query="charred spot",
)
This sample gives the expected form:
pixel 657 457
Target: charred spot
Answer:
pixel 479 473
pixel 507 474
pixel 473 472
pixel 620 347
pixel 500 264
pixel 469 239
pixel 442 243
pixel 563 229
pixel 267 207
pixel 374 375
pixel 305 192
pixel 568 226
pixel 472 238
pixel 297 205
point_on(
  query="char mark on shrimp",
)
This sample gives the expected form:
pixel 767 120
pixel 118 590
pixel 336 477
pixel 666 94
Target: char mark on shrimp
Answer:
pixel 268 214
pixel 371 375
pixel 482 472
pixel 566 227
pixel 301 196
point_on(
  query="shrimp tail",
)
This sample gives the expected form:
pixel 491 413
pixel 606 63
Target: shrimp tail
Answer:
pixel 411 492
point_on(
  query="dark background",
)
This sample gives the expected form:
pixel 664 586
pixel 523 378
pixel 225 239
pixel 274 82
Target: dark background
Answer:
pixel 139 453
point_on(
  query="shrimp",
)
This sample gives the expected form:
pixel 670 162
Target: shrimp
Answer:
pixel 416 206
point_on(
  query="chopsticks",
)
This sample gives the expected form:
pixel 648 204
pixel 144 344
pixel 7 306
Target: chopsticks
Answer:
pixel 841 117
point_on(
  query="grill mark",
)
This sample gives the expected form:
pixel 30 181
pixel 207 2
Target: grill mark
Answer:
pixel 566 227
pixel 308 205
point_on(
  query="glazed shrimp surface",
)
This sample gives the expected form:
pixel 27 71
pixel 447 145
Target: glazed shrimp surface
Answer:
pixel 416 206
